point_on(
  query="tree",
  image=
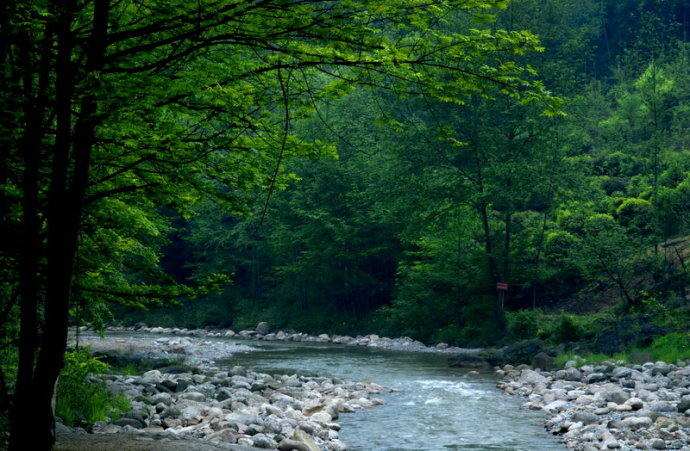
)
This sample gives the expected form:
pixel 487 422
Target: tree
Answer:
pixel 120 103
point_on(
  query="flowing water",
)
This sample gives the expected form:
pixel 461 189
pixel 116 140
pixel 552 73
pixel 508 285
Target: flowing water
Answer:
pixel 434 406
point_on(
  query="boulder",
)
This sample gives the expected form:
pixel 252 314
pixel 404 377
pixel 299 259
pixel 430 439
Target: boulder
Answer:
pixel 657 443
pixel 262 328
pixel 264 441
pixel 152 377
pixel 302 437
pixel 531 377
pixel 584 417
pixel 556 406
pixel 321 417
pixel 683 405
pixel 661 407
pixel 161 398
pixel 661 368
pixel 595 377
pixel 191 413
pixel 543 361
pixel 292 445
pixel 621 372
pixel 171 412
pixel 169 384
pixel 636 423
pixel 635 403
pixel 193 396
pixel 129 422
pixel 615 394
pixel 569 374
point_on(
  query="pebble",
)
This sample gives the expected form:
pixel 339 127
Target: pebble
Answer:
pixel 610 405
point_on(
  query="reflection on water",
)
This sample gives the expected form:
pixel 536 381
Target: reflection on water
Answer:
pixel 434 406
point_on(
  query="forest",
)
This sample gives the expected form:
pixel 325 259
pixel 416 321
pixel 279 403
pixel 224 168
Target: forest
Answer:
pixel 413 208
pixel 476 173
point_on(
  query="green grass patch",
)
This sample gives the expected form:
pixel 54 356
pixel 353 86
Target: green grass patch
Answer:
pixel 128 369
pixel 670 348
pixel 81 399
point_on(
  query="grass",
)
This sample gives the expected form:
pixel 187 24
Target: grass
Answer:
pixel 128 369
pixel 81 399
pixel 670 348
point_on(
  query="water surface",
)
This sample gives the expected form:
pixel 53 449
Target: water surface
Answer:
pixel 434 406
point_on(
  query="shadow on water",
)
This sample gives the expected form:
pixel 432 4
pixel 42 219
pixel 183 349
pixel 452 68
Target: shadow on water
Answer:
pixel 433 406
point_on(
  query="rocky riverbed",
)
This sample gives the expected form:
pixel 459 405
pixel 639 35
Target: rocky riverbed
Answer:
pixel 195 399
pixel 609 405
pixel 240 407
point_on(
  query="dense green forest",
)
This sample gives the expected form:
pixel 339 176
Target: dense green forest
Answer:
pixel 421 206
pixel 354 166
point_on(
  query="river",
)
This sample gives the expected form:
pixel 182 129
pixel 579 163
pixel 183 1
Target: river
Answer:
pixel 434 406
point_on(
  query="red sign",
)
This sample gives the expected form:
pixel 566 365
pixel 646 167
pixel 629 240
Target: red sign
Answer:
pixel 502 286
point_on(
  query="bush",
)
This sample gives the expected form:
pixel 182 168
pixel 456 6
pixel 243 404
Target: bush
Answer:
pixel 82 400
pixel 567 330
pixel 555 328
pixel 517 353
pixel 524 324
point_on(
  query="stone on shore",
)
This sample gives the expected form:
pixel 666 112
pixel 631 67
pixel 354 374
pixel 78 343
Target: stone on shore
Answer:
pixel 609 406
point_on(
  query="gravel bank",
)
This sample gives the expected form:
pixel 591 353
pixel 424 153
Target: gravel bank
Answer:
pixel 609 406
pixel 197 400
pixel 262 332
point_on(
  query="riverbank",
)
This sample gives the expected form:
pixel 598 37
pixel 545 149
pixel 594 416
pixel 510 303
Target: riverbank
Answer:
pixel 263 332
pixel 608 406
pixel 192 398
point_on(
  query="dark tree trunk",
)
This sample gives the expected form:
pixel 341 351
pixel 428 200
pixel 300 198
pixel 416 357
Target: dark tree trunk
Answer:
pixel 34 131
pixel 506 246
pixel 65 205
pixel 488 244
pixel 499 317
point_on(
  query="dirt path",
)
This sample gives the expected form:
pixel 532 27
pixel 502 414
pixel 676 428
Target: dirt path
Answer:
pixel 137 442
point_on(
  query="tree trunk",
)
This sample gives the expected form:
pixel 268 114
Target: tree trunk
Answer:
pixel 499 317
pixel 65 206
pixel 34 130
pixel 506 246
pixel 488 244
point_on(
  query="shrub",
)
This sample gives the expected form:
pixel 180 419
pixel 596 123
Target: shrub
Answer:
pixel 80 398
pixel 636 214
pixel 524 324
pixel 518 353
pixel 567 330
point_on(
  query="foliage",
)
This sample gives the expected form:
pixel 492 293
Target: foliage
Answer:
pixel 80 398
pixel 429 204
pixel 347 167
pixel 127 126
pixel 671 348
